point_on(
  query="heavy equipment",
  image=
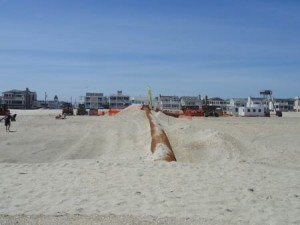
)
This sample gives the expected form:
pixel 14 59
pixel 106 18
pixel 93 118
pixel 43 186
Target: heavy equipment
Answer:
pixel 68 109
pixel 81 110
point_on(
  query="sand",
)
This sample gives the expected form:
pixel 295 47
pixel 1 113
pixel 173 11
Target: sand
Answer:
pixel 100 170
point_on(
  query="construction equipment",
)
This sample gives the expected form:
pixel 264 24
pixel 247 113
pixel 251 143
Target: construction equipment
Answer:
pixel 269 101
pixel 4 110
pixel 81 110
pixel 68 109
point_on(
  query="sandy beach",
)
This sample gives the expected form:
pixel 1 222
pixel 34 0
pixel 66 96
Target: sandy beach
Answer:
pixel 100 170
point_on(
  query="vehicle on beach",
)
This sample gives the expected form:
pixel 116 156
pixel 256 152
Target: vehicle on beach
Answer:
pixel 81 110
pixel 68 109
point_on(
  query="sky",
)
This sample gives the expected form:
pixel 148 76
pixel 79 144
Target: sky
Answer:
pixel 218 48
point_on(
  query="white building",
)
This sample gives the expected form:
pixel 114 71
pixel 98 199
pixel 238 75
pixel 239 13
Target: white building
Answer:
pixel 234 104
pixel 193 102
pixel 94 100
pixel 254 107
pixel 252 111
pixel 284 104
pixel 118 101
pixel 255 102
pixel 170 103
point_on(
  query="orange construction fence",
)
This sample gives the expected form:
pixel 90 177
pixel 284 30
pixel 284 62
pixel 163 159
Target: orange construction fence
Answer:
pixel 101 113
pixel 113 112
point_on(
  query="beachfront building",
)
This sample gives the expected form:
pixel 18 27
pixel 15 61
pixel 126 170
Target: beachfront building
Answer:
pixel 254 102
pixel 191 102
pixel 118 101
pixel 234 104
pixel 238 102
pixel 17 99
pixel 169 103
pixel 139 100
pixel 252 111
pixel 283 104
pixel 218 102
pixel 94 100
pixel 254 107
pixel 297 104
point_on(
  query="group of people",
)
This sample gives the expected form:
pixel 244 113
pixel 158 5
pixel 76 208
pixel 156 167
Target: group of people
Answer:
pixel 7 119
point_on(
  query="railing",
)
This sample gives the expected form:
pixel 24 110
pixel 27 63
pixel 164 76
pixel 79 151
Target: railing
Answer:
pixel 13 98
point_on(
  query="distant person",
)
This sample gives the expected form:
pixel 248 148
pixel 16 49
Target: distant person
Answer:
pixel 7 120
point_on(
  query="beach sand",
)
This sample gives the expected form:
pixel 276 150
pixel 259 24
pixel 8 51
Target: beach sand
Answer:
pixel 100 170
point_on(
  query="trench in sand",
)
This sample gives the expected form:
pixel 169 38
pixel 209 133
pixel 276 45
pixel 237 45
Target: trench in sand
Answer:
pixel 160 144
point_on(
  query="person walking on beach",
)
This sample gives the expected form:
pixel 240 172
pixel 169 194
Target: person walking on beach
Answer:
pixel 7 120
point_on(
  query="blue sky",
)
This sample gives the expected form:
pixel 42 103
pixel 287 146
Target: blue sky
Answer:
pixel 225 48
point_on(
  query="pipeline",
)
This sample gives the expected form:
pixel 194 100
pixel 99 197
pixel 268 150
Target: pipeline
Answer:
pixel 160 145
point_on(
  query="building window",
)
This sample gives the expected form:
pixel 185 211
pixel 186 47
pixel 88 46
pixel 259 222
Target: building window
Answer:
pixel 254 110
pixel 248 110
pixel 259 110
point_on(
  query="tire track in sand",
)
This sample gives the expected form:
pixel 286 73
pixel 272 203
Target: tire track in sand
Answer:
pixel 77 148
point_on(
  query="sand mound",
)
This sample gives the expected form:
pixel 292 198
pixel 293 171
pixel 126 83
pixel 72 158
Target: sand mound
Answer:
pixel 208 146
pixel 198 146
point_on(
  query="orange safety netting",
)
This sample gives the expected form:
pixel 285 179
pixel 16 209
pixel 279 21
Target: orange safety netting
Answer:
pixel 185 116
pixel 112 112
pixel 101 113
pixel 193 112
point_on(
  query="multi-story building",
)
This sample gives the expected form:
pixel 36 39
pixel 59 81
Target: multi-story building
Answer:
pixel 234 104
pixel 171 103
pixel 191 102
pixel 284 104
pixel 254 102
pixel 118 101
pixel 218 102
pixel 94 101
pixel 16 99
pixel 238 102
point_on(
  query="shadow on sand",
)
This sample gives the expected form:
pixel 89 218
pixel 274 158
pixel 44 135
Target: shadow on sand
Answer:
pixel 12 131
